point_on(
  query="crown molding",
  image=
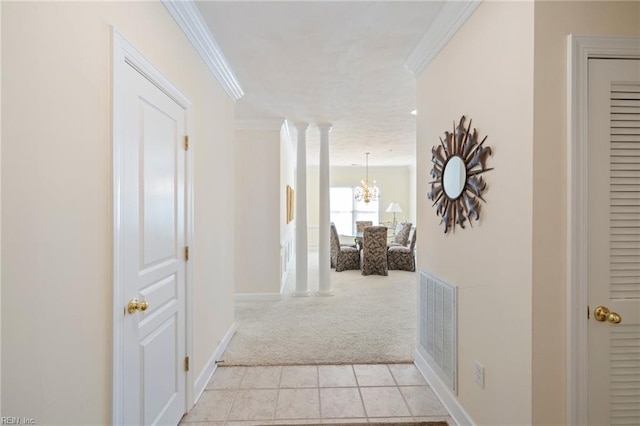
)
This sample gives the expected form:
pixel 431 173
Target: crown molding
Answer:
pixel 449 20
pixel 190 20
pixel 259 124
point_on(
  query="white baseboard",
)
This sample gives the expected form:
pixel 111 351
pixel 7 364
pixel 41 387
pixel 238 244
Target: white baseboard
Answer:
pixel 458 413
pixel 208 370
pixel 252 297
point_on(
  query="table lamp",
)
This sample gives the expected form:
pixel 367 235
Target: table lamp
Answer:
pixel 394 208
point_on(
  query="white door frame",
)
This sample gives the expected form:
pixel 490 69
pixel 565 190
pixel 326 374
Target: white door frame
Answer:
pixel 580 48
pixel 125 55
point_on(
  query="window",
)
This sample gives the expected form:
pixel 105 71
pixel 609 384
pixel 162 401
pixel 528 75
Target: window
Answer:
pixel 345 210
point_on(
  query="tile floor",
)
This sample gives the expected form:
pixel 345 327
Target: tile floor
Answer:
pixel 388 393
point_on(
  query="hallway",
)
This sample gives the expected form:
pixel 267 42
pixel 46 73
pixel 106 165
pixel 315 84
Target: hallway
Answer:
pixel 309 394
pixel 338 393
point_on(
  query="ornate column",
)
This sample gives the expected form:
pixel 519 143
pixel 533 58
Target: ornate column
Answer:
pixel 302 284
pixel 324 248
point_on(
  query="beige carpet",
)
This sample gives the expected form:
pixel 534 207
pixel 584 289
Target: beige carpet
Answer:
pixel 369 320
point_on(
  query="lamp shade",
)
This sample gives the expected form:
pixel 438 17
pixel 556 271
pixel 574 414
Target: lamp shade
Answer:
pixel 394 208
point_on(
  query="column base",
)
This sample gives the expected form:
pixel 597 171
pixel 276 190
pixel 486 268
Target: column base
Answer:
pixel 325 293
pixel 301 294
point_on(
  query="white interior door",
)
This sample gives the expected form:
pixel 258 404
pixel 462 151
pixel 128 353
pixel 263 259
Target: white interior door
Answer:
pixel 614 242
pixel 154 261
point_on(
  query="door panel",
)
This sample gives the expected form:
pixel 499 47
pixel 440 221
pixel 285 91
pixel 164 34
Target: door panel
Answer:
pixel 158 180
pixel 614 240
pixel 154 266
pixel 160 390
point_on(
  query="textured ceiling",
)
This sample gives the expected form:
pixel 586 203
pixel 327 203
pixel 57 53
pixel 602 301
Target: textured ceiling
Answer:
pixel 337 62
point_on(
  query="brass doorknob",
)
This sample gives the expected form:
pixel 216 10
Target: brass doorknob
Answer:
pixel 603 314
pixel 135 305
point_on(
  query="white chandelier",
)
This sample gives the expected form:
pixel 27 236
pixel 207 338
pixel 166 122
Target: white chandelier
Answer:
pixel 364 192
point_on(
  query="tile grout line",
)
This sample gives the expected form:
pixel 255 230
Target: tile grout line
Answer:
pixel 392 376
pixel 235 395
pixel 401 394
pixel 405 402
pixel 397 386
pixel 364 407
pixel 319 399
pixel 233 401
pixel 275 408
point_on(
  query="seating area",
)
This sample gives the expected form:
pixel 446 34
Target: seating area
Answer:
pixel 372 253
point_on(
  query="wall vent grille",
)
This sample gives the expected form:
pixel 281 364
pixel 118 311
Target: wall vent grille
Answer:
pixel 437 328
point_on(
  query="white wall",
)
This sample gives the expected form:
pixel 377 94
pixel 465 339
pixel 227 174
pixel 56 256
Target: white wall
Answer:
pixel 413 195
pixel 553 22
pixel 394 183
pixel 515 260
pixel 265 161
pixel 485 72
pixel 56 201
pixel 287 177
pixel 258 211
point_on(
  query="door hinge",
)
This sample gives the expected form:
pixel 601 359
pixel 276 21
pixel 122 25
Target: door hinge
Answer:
pixel 186 363
pixel 588 312
pixel 186 253
pixel 186 142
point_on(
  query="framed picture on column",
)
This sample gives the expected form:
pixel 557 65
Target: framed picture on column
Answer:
pixel 289 204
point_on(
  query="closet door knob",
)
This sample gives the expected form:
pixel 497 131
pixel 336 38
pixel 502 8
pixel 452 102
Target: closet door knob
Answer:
pixel 603 314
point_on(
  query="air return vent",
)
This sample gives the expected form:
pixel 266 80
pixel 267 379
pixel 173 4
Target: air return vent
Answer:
pixel 437 327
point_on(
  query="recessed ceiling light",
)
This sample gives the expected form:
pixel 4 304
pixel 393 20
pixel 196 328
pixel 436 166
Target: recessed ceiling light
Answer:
pixel 414 112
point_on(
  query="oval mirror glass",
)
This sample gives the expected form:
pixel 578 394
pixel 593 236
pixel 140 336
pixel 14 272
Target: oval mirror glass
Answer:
pixel 454 177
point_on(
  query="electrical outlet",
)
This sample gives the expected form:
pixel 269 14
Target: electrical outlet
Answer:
pixel 478 374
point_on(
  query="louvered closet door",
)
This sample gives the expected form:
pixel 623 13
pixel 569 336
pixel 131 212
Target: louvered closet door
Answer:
pixel 614 241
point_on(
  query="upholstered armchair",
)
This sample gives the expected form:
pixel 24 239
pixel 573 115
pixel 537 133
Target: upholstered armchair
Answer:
pixel 403 257
pixel 343 257
pixel 401 236
pixel 374 251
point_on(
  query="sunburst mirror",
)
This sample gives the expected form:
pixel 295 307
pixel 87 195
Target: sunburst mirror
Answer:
pixel 458 163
